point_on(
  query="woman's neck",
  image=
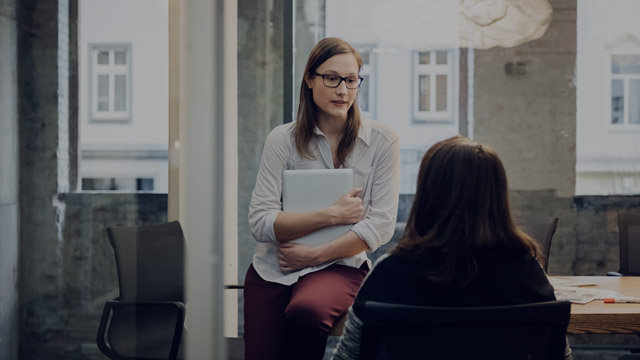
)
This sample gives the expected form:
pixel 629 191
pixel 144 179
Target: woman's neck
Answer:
pixel 331 126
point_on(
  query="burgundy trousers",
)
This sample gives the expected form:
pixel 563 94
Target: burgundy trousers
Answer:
pixel 293 322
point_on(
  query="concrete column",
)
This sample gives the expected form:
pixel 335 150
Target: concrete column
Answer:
pixel 9 205
pixel 260 109
pixel 525 105
pixel 43 164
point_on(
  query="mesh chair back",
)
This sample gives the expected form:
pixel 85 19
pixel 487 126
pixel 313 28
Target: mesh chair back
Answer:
pixel 541 229
pixel 531 331
pixel 144 332
pixel 150 309
pixel 629 228
pixel 150 261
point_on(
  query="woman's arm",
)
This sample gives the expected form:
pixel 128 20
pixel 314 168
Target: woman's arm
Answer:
pixel 265 199
pixel 348 347
pixel 294 256
pixel 347 210
pixel 377 228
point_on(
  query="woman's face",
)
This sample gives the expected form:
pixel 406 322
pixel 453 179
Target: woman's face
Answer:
pixel 334 102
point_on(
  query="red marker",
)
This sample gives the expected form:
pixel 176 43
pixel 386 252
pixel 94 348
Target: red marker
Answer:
pixel 621 301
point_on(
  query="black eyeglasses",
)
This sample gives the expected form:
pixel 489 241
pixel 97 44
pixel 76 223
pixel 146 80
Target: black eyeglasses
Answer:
pixel 333 81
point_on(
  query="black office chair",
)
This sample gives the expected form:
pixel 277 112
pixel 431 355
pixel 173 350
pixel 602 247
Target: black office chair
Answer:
pixel 629 230
pixel 541 229
pixel 532 331
pixel 146 321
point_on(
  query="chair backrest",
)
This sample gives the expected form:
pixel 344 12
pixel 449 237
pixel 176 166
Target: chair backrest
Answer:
pixel 147 321
pixel 629 228
pixel 150 261
pixel 541 229
pixel 530 331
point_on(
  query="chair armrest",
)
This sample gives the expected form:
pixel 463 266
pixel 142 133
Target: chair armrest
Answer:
pixel 113 304
pixel 117 304
pixel 234 286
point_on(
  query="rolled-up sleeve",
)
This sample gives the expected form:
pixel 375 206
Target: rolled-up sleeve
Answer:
pixel 378 225
pixel 266 198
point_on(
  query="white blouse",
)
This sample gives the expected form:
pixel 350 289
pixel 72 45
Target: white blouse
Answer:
pixel 375 161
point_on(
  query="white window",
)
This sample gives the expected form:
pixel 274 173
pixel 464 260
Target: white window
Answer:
pixel 433 76
pixel 625 91
pixel 110 82
pixel 367 90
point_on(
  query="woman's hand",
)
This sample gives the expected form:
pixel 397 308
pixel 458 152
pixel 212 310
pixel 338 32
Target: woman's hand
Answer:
pixel 294 256
pixel 348 209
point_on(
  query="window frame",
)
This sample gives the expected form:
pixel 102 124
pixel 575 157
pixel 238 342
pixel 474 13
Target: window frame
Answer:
pixel 111 70
pixel 625 125
pixel 432 69
pixel 369 70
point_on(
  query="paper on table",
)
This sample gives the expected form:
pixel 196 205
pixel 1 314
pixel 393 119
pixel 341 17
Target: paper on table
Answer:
pixel 578 295
pixel 572 290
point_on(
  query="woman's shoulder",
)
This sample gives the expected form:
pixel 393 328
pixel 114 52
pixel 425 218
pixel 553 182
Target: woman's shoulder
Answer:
pixel 393 279
pixel 283 129
pixel 378 129
pixel 382 279
pixel 281 134
pixel 500 257
pixel 512 266
pixel 391 265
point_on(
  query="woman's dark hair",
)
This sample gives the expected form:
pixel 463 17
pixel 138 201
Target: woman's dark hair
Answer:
pixel 461 206
pixel 308 111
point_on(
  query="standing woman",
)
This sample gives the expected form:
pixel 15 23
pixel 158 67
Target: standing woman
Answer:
pixel 294 293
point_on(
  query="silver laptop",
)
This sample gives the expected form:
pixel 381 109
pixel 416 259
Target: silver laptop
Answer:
pixel 310 190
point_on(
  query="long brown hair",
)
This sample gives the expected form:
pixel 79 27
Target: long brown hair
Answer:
pixel 461 206
pixel 307 119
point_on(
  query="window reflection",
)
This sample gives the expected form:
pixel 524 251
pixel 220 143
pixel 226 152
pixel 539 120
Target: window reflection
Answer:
pixel 608 131
pixel 617 102
pixel 123 87
pixel 634 106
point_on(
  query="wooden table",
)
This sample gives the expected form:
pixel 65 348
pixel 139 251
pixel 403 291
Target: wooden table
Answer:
pixel 597 317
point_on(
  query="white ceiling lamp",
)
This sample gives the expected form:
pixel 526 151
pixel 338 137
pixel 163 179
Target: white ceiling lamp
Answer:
pixel 479 24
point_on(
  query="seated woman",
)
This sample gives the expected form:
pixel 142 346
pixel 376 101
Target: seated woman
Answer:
pixel 460 246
